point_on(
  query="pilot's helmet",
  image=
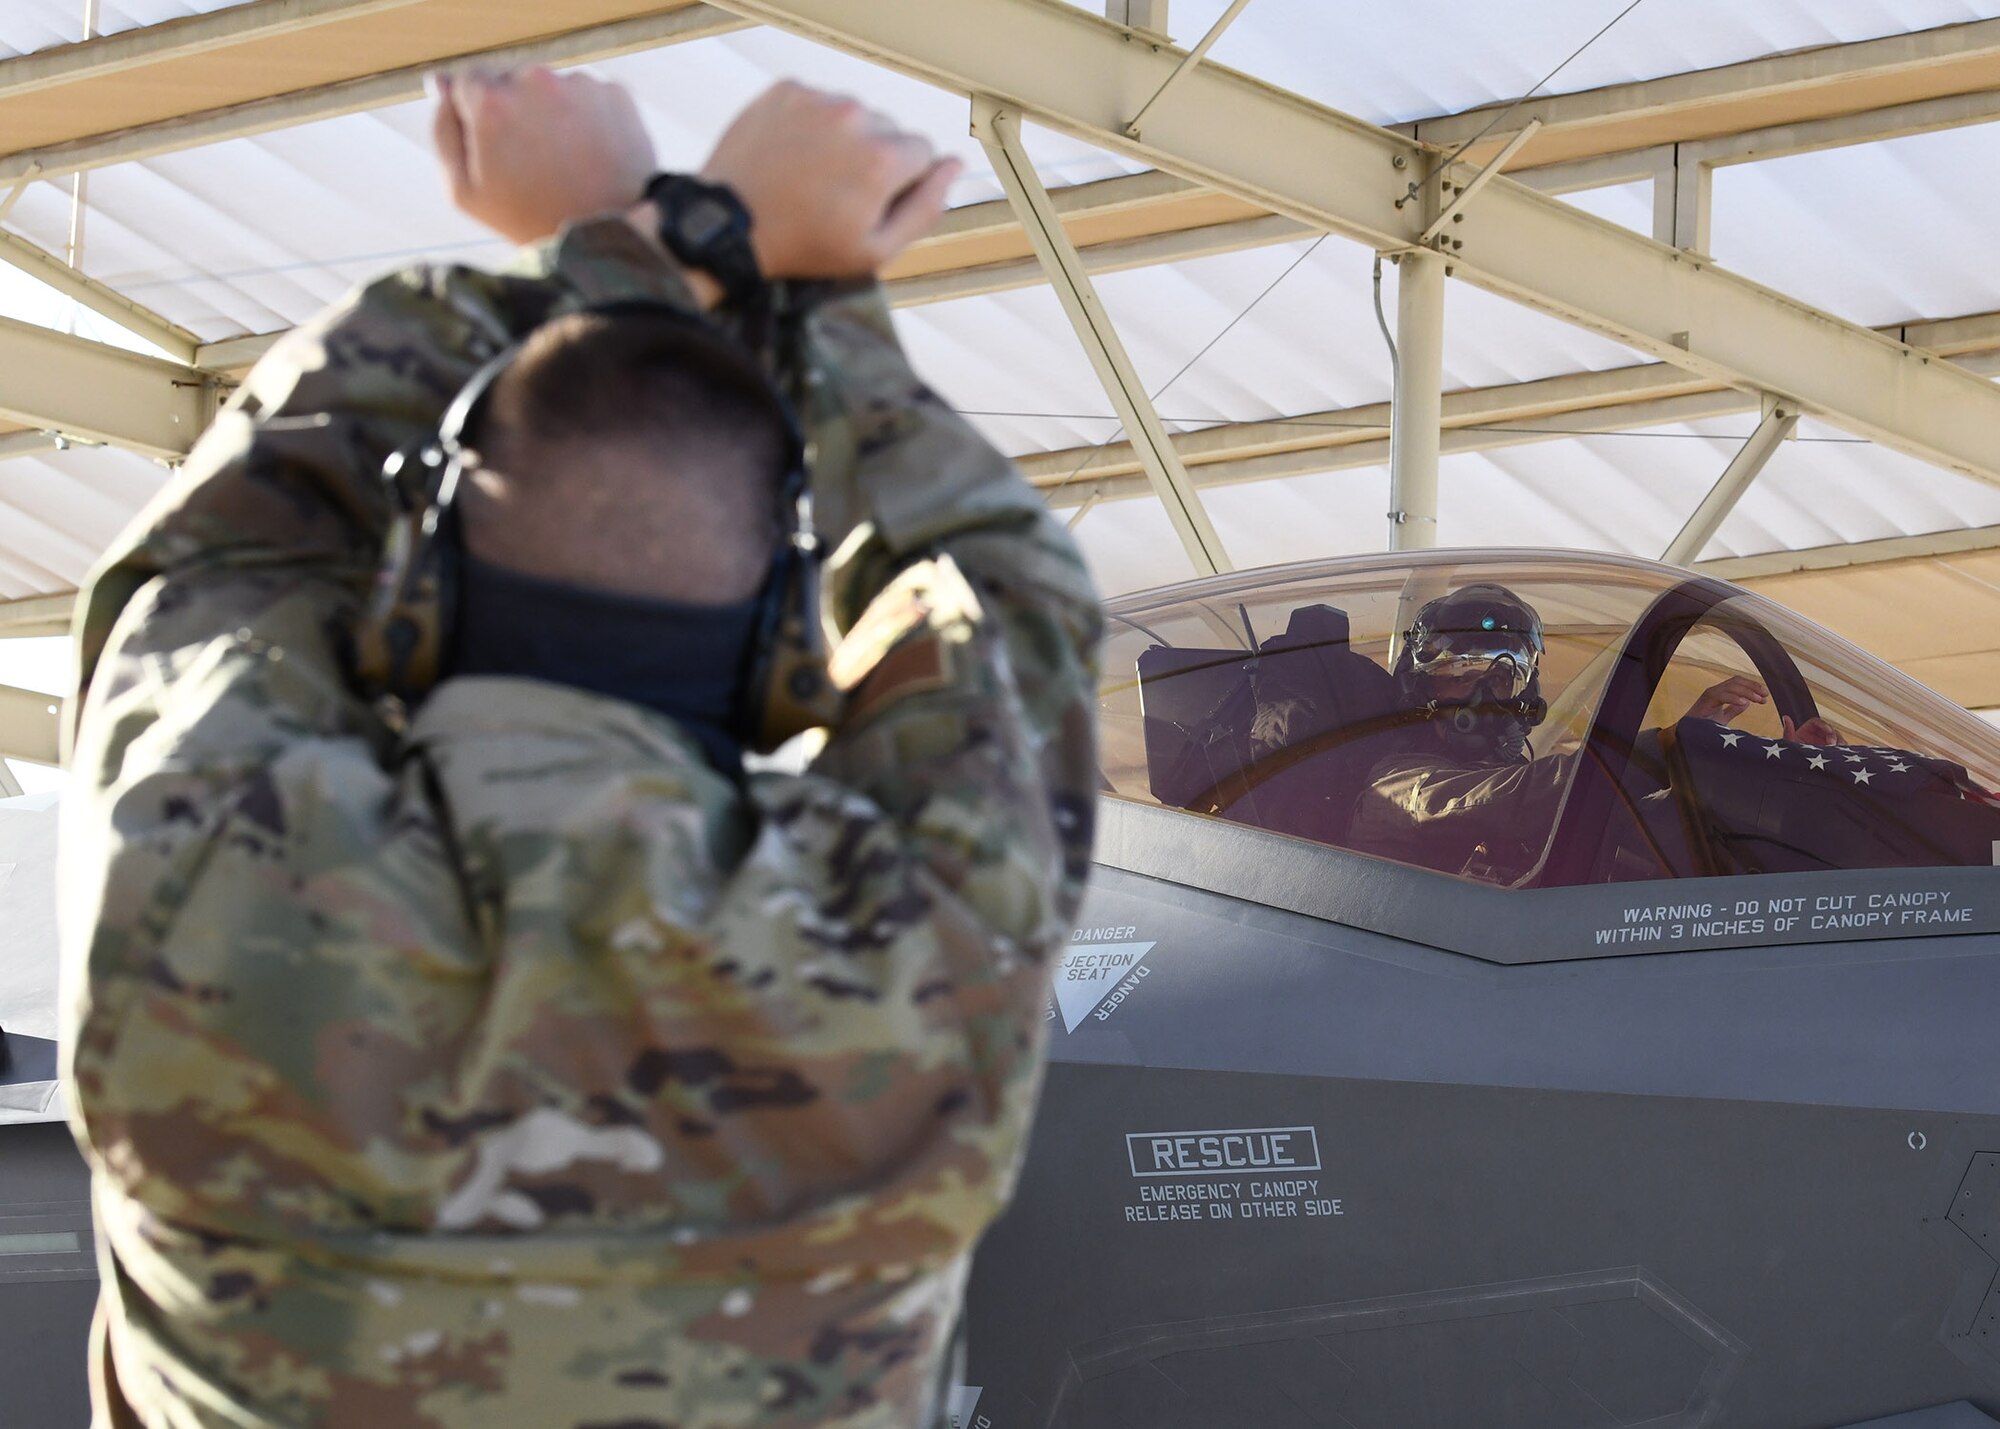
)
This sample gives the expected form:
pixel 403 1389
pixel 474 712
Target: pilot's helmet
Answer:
pixel 1479 647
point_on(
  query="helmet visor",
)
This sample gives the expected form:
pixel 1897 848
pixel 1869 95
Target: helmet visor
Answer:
pixel 1502 662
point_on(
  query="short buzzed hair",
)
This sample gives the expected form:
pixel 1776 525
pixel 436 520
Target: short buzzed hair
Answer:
pixel 633 453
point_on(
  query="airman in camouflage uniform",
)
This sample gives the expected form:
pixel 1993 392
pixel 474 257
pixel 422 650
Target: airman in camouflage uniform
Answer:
pixel 520 1067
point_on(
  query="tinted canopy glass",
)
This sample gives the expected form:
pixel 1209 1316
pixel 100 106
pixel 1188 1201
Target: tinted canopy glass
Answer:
pixel 1675 726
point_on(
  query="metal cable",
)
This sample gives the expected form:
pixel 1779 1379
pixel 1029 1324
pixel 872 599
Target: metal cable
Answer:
pixel 1155 396
pixel 1573 55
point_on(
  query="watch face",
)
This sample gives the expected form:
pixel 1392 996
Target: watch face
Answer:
pixel 704 220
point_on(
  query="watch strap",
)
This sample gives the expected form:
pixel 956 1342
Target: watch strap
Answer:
pixel 707 226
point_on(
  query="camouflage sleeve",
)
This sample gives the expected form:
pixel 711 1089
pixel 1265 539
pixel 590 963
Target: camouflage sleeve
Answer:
pixel 970 624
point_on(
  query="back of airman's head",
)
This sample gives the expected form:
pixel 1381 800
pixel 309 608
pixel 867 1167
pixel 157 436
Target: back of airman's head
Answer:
pixel 632 453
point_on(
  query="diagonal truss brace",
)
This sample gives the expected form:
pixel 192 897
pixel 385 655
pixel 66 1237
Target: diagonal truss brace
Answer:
pixel 1078 74
pixel 171 338
pixel 1780 419
pixel 999 130
pixel 1194 57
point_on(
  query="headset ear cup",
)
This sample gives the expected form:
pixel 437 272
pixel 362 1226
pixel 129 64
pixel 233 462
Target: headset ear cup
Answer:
pixel 788 690
pixel 399 642
pixel 378 656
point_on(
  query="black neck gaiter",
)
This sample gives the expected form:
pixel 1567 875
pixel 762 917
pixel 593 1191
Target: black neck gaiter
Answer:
pixel 679 659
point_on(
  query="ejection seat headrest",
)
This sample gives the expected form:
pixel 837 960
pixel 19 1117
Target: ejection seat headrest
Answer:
pixel 1199 705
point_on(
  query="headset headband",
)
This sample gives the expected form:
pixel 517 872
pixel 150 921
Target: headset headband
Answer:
pixel 782 687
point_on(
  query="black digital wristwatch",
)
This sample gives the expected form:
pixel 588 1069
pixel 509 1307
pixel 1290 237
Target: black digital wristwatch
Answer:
pixel 706 226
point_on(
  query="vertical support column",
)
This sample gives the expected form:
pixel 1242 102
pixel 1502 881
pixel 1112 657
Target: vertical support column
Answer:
pixel 998 129
pixel 1694 187
pixel 1416 409
pixel 79 188
pixel 1138 14
pixel 1666 195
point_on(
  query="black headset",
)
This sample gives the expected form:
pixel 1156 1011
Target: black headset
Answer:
pixel 404 634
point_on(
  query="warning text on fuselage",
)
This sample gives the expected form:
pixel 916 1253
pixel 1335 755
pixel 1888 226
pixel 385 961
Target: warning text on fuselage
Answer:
pixel 1223 1152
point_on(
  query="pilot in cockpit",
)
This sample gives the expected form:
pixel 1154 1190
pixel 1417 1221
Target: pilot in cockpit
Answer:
pixel 1464 791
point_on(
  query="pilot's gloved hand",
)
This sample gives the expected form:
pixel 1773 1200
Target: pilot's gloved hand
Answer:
pixel 1813 731
pixel 1723 702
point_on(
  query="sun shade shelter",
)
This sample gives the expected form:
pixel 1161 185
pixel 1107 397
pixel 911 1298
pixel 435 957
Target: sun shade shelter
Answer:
pixel 1661 278
pixel 1238 282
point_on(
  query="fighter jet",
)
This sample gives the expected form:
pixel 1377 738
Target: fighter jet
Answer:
pixel 1478 1022
pixel 1519 991
pixel 48 1279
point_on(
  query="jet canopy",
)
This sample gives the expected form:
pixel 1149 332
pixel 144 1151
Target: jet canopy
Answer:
pixel 1275 698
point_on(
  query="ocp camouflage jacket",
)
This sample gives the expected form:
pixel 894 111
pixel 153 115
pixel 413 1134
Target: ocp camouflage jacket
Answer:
pixel 519 1068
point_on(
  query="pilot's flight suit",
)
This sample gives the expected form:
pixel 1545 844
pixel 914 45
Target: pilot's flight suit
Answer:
pixel 524 1069
pixel 1441 808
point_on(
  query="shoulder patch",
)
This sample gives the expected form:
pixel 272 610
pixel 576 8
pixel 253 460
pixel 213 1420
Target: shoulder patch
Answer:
pixel 900 646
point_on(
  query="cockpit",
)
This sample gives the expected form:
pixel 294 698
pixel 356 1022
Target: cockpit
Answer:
pixel 1678 726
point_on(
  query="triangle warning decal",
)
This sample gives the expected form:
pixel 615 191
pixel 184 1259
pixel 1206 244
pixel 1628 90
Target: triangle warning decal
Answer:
pixel 1087 974
pixel 963 1404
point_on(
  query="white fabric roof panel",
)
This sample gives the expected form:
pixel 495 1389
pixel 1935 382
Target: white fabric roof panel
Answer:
pixel 33 301
pixel 59 512
pixel 1627 205
pixel 1627 492
pixel 1418 58
pixel 28 25
pixel 1875 233
pixel 257 234
pixel 1311 343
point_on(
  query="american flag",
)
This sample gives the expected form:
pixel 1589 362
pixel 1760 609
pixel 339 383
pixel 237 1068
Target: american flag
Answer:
pixel 1785 803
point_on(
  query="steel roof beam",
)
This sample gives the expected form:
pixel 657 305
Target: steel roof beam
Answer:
pixel 1067 486
pixel 1083 76
pixel 1938 77
pixel 1866 127
pixel 28 725
pixel 951 264
pixel 350 96
pixel 1066 491
pixel 34 615
pixel 59 383
pixel 1116 256
pixel 175 39
pixel 1695 160
pixel 29 443
pixel 1615 399
pixel 1796 87
pixel 1929 546
pixel 1799 88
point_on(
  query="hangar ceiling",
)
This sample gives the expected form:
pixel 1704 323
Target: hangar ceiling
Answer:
pixel 1714 210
